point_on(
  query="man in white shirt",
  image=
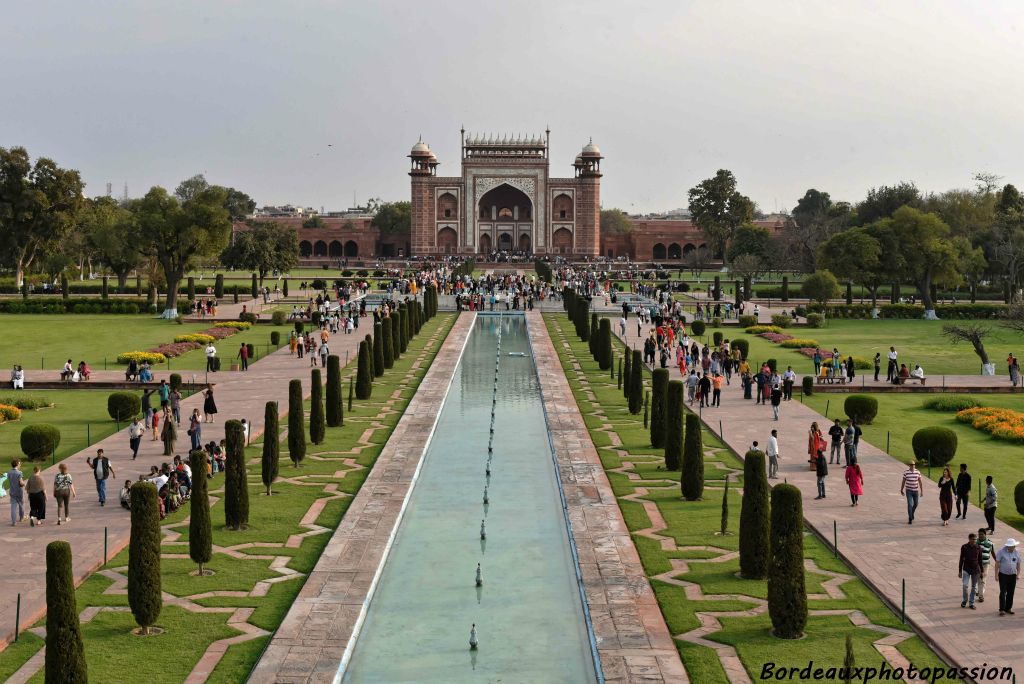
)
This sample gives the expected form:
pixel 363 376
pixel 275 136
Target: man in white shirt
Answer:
pixel 1007 567
pixel 135 432
pixel 773 455
pixel 918 372
pixel 211 354
pixel 788 378
pixel 894 367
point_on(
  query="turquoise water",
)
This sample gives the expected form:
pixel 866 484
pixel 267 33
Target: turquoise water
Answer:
pixel 529 617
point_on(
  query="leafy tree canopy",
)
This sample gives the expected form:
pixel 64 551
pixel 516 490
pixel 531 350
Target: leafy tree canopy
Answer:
pixel 750 239
pixel 393 217
pixel 882 202
pixel 719 209
pixel 267 246
pixel 615 222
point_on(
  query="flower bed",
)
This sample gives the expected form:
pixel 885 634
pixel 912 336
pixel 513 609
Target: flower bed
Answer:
pixel 140 357
pixel 776 337
pixel 859 362
pixel 1005 424
pixel 174 349
pixel 797 343
pixel 237 325
pixel 185 343
pixel 9 413
pixel 198 338
pixel 758 329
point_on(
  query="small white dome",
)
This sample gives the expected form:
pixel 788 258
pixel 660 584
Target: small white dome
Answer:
pixel 420 148
pixel 590 149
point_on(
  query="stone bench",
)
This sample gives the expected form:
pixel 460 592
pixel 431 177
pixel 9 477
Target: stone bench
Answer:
pixel 901 381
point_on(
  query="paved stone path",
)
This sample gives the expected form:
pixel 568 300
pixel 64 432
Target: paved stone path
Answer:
pixel 238 395
pixel 875 539
pixel 311 640
pixel 633 642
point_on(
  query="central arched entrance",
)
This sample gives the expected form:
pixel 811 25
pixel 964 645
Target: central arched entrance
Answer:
pixel 507 212
pixel 504 242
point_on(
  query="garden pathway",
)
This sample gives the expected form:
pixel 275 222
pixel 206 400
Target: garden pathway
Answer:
pixel 238 395
pixel 875 539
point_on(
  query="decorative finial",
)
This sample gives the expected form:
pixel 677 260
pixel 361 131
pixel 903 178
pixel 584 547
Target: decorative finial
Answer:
pixel 483 529
pixel 473 643
pixel 486 498
pixel 479 576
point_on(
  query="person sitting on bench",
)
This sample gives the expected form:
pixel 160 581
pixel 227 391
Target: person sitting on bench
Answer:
pixel 68 372
pixel 18 378
pixel 904 374
pixel 132 372
pixel 83 370
pixel 918 373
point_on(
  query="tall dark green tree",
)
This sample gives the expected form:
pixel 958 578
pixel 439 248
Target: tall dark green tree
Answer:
pixel 627 368
pixel 584 324
pixel 369 345
pixel 672 417
pixel 636 382
pixel 296 423
pixel 389 343
pixel 144 595
pixel 364 383
pixel 659 389
pixel 200 532
pixel 692 479
pixel 65 655
pixel 754 523
pixel 335 402
pixel 271 446
pixel 396 334
pixel 406 327
pixel 592 340
pixel 218 287
pixel 378 350
pixel 236 487
pixel 787 592
pixel 719 209
pixel 604 349
pixel 254 287
pixel 316 408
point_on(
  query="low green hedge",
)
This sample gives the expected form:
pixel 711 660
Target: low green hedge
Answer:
pixel 912 311
pixel 952 402
pixel 77 306
pixel 26 402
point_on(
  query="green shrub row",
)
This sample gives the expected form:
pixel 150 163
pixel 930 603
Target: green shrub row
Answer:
pixel 952 402
pixel 78 306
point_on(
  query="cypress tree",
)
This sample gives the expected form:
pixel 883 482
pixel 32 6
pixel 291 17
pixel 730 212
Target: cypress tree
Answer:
pixel 849 664
pixel 627 368
pixel 636 383
pixel 218 286
pixel 351 390
pixel 378 350
pixel 335 402
pixel 659 386
pixel 200 534
pixel 105 288
pixel 65 655
pixel 692 480
pixel 284 287
pixel 64 287
pixel 619 381
pixel 138 286
pixel 725 507
pixel 402 325
pixel 647 396
pixel 407 325
pixel 592 341
pixel 255 287
pixel 754 521
pixel 604 349
pixel 271 446
pixel 190 289
pixel 672 421
pixel 396 334
pixel 144 595
pixel 389 341
pixel 584 314
pixel 236 489
pixel 369 344
pixel 787 593
pixel 316 409
pixel 364 384
pixel 296 423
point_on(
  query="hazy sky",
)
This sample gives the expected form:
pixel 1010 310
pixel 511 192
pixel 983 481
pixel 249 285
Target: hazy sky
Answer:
pixel 836 95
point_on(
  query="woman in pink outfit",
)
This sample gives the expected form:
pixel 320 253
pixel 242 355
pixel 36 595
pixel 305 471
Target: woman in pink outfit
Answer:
pixel 855 480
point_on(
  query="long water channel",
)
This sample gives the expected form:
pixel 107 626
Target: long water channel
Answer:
pixel 528 613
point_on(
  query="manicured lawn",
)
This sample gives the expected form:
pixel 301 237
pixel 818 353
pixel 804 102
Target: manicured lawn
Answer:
pixel 113 653
pixel 692 527
pixel 48 340
pixel 918 342
pixel 900 415
pixel 81 416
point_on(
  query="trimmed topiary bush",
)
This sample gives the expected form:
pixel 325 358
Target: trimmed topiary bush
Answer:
pixel 953 402
pixel 584 318
pixel 174 381
pixel 296 423
pixel 672 421
pixel 200 532
pixel 934 445
pixel 1018 497
pixel 218 286
pixel 378 350
pixel 364 382
pixel 39 441
pixel 144 591
pixel 65 654
pixel 284 287
pixel 808 385
pixel 754 523
pixel 717 337
pixel 747 321
pixel 335 402
pixel 123 406
pixel 625 367
pixel 815 320
pixel 236 487
pixel 781 320
pixel 317 429
pixel 743 346
pixel 604 349
pixel 397 326
pixel 271 446
pixel 692 479
pixel 636 383
pixel 861 407
pixel 659 389
pixel 279 318
pixel 697 328
pixel 787 592
pixel 254 288
pixel 389 342
pixel 275 338
pixel 592 340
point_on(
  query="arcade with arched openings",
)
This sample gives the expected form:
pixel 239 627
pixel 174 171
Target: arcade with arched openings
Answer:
pixel 305 248
pixel 659 251
pixel 675 251
pixel 319 248
pixel 351 248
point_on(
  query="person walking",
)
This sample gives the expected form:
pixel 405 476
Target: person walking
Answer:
pixel 969 568
pixel 716 393
pixel 147 406
pixel 704 388
pixel 36 489
pixel 776 399
pixel 195 429
pixel 821 472
pixel 101 471
pixel 209 405
pixel 788 379
pixel 773 455
pixel 857 432
pixel 211 355
pixel 176 406
pixel 910 485
pixel 243 356
pixel 848 434
pixel 963 492
pixel 164 392
pixel 1007 570
pixel 16 489
pixel 135 432
pixel 836 433
pixel 63 492
pixel 325 351
pixel 155 424
pixel 855 481
pixel 991 503
pixel 815 445
pixel 946 485
pixel 988 552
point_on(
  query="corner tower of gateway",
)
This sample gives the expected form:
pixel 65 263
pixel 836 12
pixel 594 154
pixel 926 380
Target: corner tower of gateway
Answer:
pixel 505 200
